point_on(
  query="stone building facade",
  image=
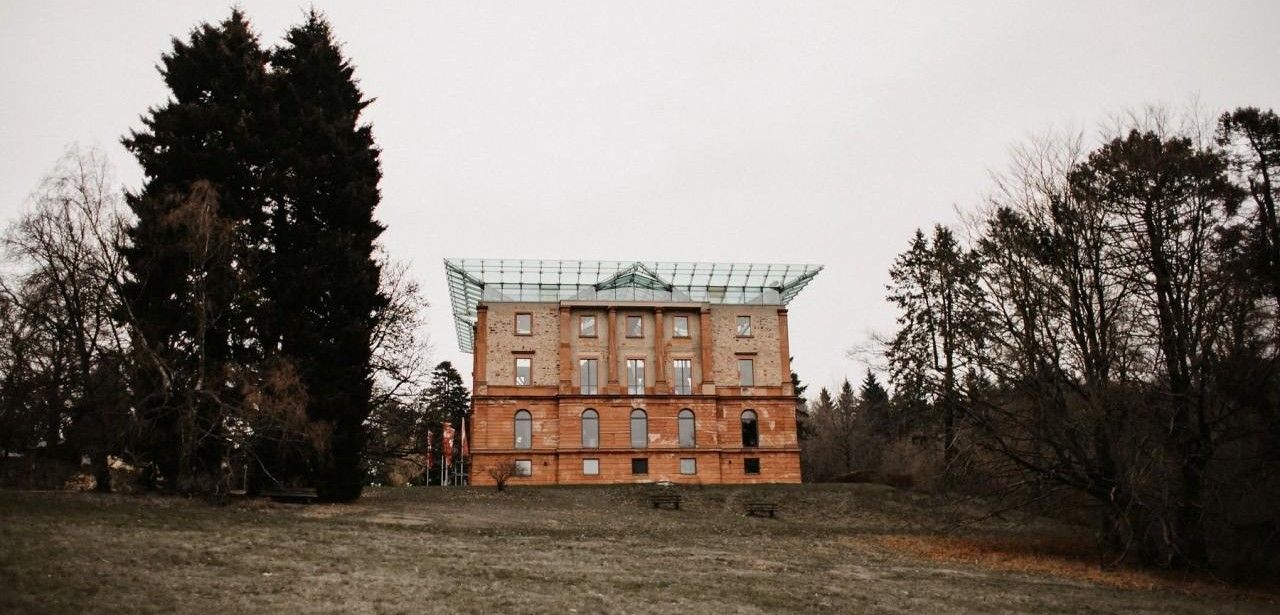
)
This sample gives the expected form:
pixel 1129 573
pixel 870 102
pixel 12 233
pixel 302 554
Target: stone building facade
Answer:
pixel 629 375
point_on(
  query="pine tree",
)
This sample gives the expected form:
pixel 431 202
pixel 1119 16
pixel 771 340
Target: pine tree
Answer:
pixel 935 287
pixel 447 398
pixel 447 401
pixel 322 294
pixel 199 216
pixel 824 404
pixel 815 456
pixel 874 406
pixel 804 422
pixel 846 422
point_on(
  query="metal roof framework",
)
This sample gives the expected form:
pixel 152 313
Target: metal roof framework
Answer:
pixel 503 280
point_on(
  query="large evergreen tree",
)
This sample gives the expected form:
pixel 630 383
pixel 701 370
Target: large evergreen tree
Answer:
pixel 935 287
pixel 447 398
pixel 322 295
pixel 874 410
pixel 199 218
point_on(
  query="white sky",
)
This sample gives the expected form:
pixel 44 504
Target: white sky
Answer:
pixel 728 131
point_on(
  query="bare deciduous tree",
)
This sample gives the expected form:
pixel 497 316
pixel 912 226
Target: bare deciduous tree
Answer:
pixel 1128 353
pixel 503 471
pixel 62 294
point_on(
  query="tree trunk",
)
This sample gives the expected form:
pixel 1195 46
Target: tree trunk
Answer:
pixel 101 472
pixel 948 420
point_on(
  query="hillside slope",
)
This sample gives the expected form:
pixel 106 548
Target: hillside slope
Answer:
pixel 833 548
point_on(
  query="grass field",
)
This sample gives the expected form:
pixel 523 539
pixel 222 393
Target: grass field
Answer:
pixel 834 548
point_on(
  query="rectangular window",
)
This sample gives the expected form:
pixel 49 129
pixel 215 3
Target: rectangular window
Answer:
pixel 635 326
pixel 590 467
pixel 524 324
pixel 683 372
pixel 680 326
pixel 751 465
pixel 640 465
pixel 586 326
pixel 744 326
pixel 524 371
pixel 524 467
pixel 746 373
pixel 689 466
pixel 588 381
pixel 635 376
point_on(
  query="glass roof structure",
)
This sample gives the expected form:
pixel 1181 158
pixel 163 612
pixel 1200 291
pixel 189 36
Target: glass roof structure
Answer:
pixel 492 280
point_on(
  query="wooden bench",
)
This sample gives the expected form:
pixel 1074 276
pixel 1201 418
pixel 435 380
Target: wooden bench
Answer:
pixel 759 509
pixel 301 495
pixel 671 500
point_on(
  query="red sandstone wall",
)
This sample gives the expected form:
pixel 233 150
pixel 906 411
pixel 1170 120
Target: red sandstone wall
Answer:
pixel 556 453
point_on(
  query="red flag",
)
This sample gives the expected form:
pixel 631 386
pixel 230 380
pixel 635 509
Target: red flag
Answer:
pixel 447 445
pixel 430 460
pixel 465 451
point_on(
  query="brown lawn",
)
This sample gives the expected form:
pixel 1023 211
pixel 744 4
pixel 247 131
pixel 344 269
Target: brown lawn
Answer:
pixel 834 548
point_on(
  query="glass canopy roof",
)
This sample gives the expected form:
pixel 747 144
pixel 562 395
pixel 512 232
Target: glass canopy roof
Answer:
pixel 474 280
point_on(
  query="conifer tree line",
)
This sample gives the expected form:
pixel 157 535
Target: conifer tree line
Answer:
pixel 233 321
pixel 843 437
pixel 1101 337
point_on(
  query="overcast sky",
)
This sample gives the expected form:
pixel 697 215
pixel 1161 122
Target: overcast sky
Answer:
pixel 719 131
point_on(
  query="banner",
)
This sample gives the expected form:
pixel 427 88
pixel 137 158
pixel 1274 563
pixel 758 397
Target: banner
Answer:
pixel 447 445
pixel 430 459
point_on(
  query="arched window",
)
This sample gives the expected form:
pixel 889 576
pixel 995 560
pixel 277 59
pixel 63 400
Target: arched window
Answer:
pixel 750 429
pixel 639 428
pixel 524 429
pixel 684 421
pixel 590 429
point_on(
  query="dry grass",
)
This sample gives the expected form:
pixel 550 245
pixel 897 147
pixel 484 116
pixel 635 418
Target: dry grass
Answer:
pixel 1061 557
pixel 834 548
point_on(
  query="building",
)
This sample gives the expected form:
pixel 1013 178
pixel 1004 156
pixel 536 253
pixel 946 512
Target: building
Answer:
pixel 616 372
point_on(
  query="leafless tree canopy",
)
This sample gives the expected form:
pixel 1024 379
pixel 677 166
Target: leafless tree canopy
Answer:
pixel 1106 338
pixel 502 471
pixel 64 342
